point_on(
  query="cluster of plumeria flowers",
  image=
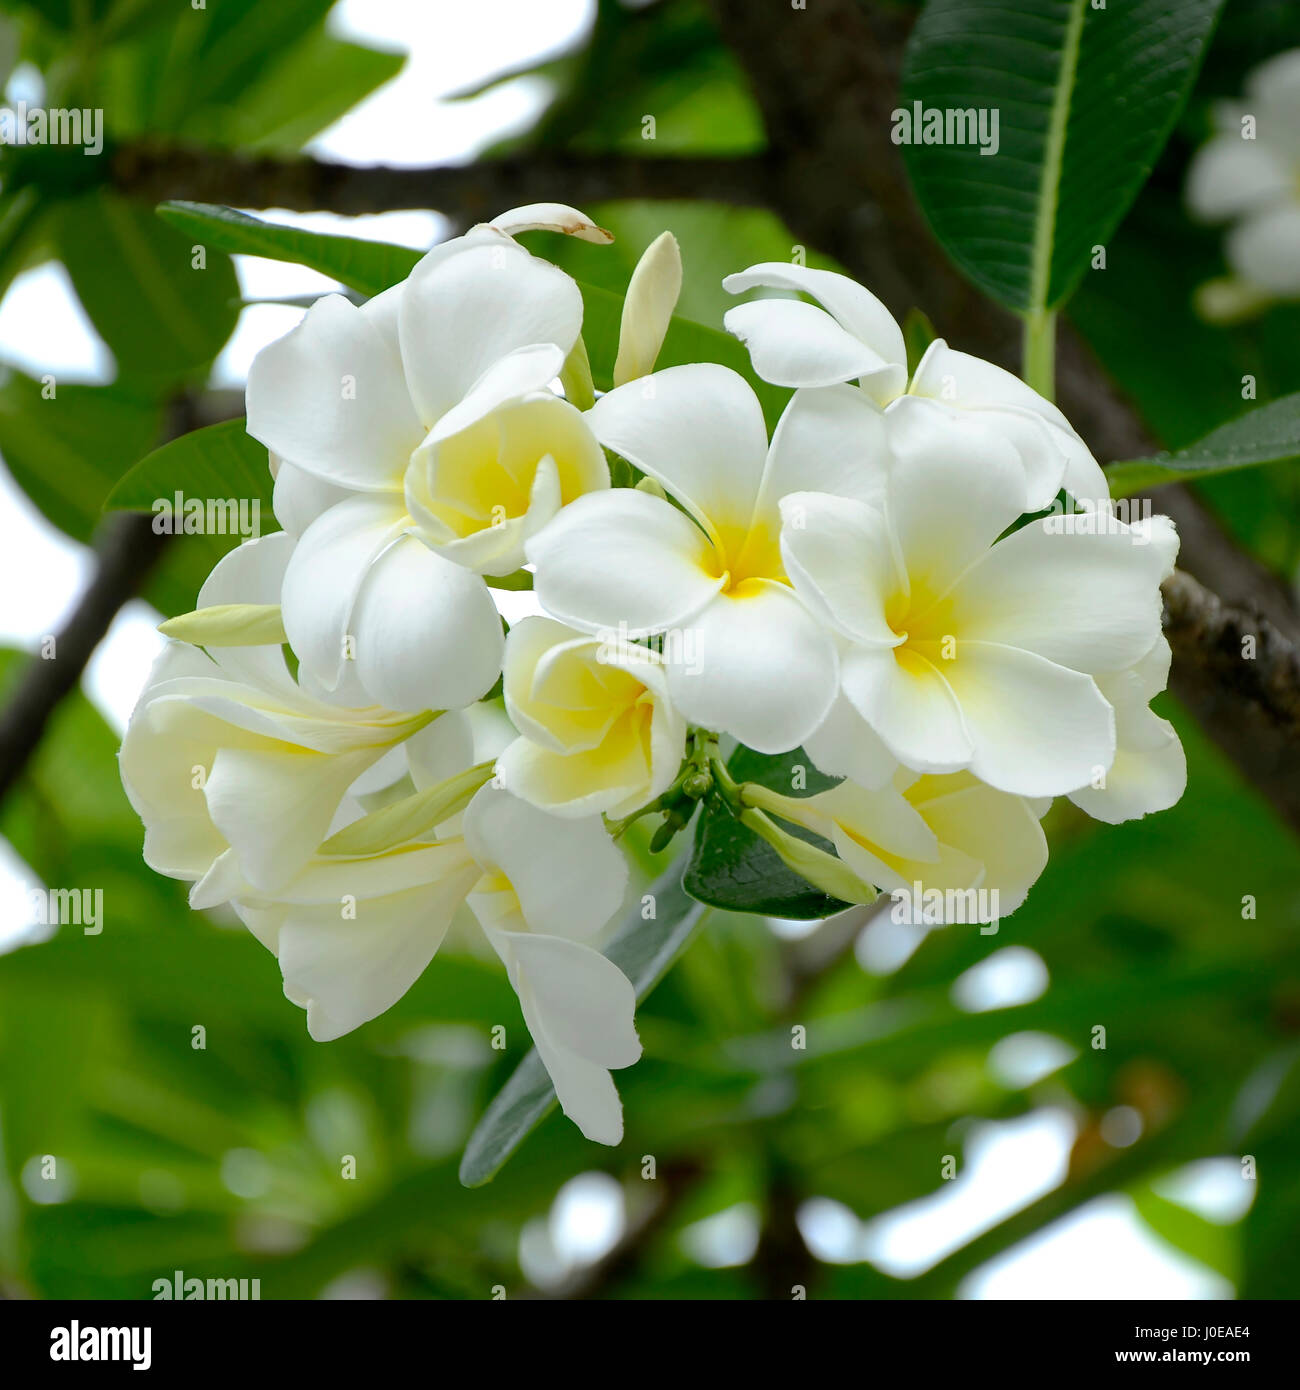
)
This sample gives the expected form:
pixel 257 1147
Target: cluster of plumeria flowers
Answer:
pixel 919 579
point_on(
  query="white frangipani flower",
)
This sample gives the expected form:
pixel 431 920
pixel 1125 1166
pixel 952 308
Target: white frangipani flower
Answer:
pixel 1249 174
pixel 597 730
pixel 853 337
pixel 926 835
pixel 541 889
pixel 744 655
pixel 864 585
pixel 477 491
pixel 1150 768
pixel 963 652
pixel 424 419
pixel 233 766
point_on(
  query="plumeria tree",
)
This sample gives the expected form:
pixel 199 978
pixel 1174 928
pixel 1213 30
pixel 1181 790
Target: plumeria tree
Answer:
pixel 690 541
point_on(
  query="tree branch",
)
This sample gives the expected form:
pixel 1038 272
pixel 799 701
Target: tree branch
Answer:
pixel 126 552
pixel 1240 678
pixel 127 549
pixel 474 192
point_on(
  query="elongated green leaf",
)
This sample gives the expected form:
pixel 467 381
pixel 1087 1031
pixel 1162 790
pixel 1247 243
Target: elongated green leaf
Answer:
pixel 1210 1242
pixel 1084 99
pixel 643 950
pixel 732 868
pixel 367 266
pixel 318 80
pixel 185 76
pixel 1268 1112
pixel 371 266
pixel 218 463
pixel 1270 434
pixel 163 317
pixel 67 449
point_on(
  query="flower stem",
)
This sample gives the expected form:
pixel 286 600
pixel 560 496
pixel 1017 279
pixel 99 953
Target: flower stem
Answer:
pixel 1038 363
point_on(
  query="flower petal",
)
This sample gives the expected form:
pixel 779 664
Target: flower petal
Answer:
pixel 568 874
pixel 440 750
pixel 854 308
pixel 1150 768
pixel 698 430
pixel 585 1089
pixel 825 441
pixel 955 486
pixel 428 635
pixel 796 344
pixel 1140 780
pixel 330 397
pixel 1085 599
pixel 465 308
pixel 274 804
pixel 762 668
pixel 999 830
pixel 348 972
pixel 909 705
pixel 165 741
pixel 299 497
pixel 251 573
pixel 324 577
pixel 585 1001
pixel 1037 729
pixel 845 745
pixel 518 373
pixel 1263 249
pixel 478 494
pixel 1051 453
pixel 551 217
pixel 837 553
pixel 1229 176
pixel 623 560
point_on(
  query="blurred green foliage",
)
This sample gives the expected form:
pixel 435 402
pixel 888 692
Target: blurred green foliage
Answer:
pixel 227 1160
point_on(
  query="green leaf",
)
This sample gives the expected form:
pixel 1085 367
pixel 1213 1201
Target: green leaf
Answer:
pixel 732 868
pixel 1210 1242
pixel 918 334
pixel 1270 434
pixel 163 319
pixel 372 266
pixel 67 450
pixel 1086 98
pixel 319 80
pixel 219 462
pixel 367 266
pixel 190 77
pixel 1268 1112
pixel 643 950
